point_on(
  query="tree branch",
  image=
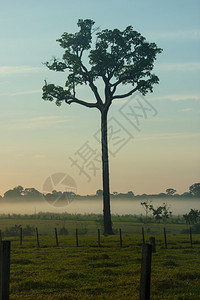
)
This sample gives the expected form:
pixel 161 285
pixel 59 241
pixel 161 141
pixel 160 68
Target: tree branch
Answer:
pixel 84 103
pixel 114 85
pixel 52 92
pixel 91 84
pixel 127 94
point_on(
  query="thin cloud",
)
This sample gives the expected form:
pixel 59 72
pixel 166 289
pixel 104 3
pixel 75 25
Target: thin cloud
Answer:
pixel 193 34
pixel 172 97
pixel 12 70
pixel 186 109
pixel 19 155
pixel 177 97
pixel 35 123
pixel 169 136
pixel 30 92
pixel 43 122
pixel 38 156
pixel 187 66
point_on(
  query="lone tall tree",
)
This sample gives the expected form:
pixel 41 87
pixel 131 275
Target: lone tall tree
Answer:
pixel 117 58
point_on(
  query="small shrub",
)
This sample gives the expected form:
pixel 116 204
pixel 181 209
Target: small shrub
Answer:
pixel 12 231
pixel 28 230
pixel 148 230
pixel 115 231
pixel 196 228
pixel 15 230
pixel 83 230
pixel 63 231
pixel 185 231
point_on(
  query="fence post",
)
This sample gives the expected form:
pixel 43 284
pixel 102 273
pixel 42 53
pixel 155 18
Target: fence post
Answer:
pixel 143 235
pixel 56 237
pixel 38 243
pixel 165 236
pixel 20 232
pixel 120 237
pixel 4 269
pixel 99 244
pixel 0 236
pixel 190 237
pixel 76 237
pixel 145 279
pixel 152 241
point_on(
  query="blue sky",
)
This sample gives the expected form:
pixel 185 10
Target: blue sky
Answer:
pixel 37 138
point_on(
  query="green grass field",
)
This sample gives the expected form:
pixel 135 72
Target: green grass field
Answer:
pixel 90 226
pixel 108 272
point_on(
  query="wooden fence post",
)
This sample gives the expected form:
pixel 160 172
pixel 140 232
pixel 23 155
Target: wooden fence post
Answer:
pixel 56 235
pixel 76 237
pixel 4 269
pixel 120 237
pixel 152 241
pixel 20 232
pixel 38 243
pixel 99 244
pixel 143 235
pixel 145 279
pixel 165 236
pixel 190 237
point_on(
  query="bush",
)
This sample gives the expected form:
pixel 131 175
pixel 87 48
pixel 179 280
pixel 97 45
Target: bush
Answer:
pixel 28 230
pixel 63 231
pixel 12 231
pixel 195 229
pixel 83 230
pixel 15 230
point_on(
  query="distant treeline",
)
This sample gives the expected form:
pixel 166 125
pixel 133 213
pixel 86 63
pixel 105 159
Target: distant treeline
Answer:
pixel 18 193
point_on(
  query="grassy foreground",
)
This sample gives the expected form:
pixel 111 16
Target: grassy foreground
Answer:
pixel 109 272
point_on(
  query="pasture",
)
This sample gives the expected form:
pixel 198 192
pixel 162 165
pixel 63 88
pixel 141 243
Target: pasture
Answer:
pixel 88 224
pixel 108 272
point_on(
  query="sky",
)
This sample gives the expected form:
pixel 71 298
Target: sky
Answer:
pixel 41 142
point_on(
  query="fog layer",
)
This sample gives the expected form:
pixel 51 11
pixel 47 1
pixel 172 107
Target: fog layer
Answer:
pixel 119 206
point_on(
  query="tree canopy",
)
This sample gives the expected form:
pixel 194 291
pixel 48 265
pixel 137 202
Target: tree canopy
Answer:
pixel 192 217
pixel 170 191
pixel 117 57
pixel 195 189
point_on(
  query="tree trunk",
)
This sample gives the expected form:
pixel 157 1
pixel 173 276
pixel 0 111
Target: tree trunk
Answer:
pixel 105 166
